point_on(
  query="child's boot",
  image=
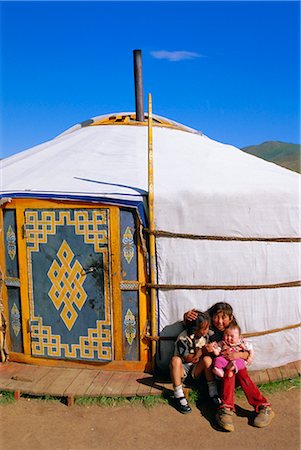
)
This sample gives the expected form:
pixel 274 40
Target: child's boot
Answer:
pixel 264 416
pixel 224 418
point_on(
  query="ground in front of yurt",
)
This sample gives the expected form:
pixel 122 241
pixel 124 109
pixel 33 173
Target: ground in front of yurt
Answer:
pixel 36 425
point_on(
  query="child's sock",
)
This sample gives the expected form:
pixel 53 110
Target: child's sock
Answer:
pixel 178 393
pixel 212 389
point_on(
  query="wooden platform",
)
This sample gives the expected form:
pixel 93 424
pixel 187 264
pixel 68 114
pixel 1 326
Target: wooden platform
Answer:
pixel 64 382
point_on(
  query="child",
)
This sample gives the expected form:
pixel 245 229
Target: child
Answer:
pixel 189 357
pixel 221 315
pixel 232 342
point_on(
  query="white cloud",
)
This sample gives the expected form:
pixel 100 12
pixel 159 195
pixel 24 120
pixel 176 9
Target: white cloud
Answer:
pixel 178 55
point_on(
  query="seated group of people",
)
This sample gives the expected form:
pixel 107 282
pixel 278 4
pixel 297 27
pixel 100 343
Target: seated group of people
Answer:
pixel 212 344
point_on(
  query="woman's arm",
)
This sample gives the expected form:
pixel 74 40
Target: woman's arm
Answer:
pixel 190 315
pixel 236 355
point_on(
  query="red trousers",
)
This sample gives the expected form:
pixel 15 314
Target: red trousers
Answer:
pixel 241 378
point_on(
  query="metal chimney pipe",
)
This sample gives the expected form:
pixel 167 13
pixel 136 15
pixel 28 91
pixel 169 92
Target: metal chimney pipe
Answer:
pixel 138 85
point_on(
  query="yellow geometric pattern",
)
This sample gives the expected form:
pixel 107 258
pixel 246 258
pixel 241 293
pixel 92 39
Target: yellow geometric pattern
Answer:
pixel 97 343
pixel 41 224
pixel 67 285
pixel 44 342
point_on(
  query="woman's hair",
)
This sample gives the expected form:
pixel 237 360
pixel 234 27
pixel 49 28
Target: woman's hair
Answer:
pixel 194 325
pixel 221 307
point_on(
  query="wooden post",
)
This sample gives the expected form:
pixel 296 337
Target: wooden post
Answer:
pixel 70 400
pixel 152 249
pixel 17 395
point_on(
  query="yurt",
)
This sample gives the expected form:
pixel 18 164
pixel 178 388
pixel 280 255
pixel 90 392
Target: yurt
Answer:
pixel 75 234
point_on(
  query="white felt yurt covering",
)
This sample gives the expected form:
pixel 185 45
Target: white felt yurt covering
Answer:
pixel 203 188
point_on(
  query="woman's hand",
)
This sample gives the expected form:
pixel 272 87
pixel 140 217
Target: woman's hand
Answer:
pixel 212 347
pixel 231 356
pixel 191 315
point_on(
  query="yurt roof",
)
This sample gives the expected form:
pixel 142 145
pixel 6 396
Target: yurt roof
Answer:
pixel 201 185
pixel 129 118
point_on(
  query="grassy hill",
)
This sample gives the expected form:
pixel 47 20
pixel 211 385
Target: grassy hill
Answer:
pixel 281 153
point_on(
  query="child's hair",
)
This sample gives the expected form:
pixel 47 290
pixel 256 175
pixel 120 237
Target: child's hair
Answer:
pixel 233 325
pixel 221 307
pixel 194 325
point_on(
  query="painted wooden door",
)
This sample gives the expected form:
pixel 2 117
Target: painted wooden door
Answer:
pixel 69 283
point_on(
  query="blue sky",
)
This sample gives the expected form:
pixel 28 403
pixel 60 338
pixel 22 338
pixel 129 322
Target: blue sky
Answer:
pixel 229 69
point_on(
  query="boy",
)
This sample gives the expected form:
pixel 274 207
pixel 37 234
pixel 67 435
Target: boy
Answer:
pixel 189 357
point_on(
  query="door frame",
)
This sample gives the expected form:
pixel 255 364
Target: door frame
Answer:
pixel 20 205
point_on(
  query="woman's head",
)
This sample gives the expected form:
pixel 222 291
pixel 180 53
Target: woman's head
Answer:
pixel 199 326
pixel 221 315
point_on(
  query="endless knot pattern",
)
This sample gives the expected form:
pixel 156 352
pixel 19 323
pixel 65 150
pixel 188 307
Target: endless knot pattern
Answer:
pixel 67 285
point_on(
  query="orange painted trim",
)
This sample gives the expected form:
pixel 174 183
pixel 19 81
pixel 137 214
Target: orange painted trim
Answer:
pixel 23 275
pixel 129 366
pixel 28 203
pixel 3 288
pixel 143 299
pixel 115 279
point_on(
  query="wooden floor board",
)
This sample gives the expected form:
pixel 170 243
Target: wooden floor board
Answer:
pixel 98 383
pixel 27 379
pixel 62 381
pixel 81 383
pixel 292 370
pixel 9 371
pixel 274 374
pixel 157 388
pixel 287 371
pixel 144 388
pixel 131 386
pixel 260 376
pixel 40 387
pixel 116 384
pixel 298 366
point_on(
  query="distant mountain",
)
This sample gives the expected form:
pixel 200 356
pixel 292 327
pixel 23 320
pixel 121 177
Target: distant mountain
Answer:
pixel 281 153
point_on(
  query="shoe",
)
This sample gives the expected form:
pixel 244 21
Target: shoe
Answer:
pixel 216 400
pixel 224 418
pixel 182 408
pixel 264 417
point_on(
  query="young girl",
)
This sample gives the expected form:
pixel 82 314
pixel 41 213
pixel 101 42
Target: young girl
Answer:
pixel 221 315
pixel 232 342
pixel 189 357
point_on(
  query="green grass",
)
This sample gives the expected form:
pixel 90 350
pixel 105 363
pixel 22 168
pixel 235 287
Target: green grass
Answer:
pixel 6 397
pixel 148 401
pixel 275 386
